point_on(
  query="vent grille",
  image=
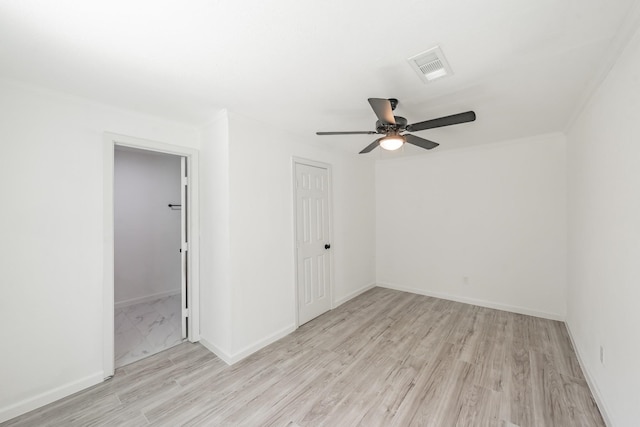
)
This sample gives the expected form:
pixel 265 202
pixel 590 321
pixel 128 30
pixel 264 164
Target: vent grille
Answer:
pixel 430 65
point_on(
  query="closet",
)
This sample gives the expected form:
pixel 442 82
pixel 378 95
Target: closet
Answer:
pixel 148 263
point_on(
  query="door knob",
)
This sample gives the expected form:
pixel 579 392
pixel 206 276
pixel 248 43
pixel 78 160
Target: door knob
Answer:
pixel 327 246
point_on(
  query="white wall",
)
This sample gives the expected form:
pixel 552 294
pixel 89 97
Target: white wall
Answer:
pixel 52 239
pixel 494 214
pixel 604 238
pixel 147 231
pixel 260 280
pixel 215 271
pixel 262 227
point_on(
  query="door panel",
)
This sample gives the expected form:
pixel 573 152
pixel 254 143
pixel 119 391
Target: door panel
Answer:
pixel 312 231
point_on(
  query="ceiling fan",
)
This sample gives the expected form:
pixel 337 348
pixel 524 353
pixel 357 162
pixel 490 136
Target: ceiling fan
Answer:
pixel 394 128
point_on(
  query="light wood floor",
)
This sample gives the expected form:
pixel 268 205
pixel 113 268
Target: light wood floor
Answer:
pixel 386 358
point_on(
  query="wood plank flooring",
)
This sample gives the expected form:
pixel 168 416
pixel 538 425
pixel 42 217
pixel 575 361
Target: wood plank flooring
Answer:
pixel 385 358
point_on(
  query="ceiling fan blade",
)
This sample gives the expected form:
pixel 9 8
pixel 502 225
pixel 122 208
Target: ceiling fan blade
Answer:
pixel 420 142
pixel 365 132
pixel 371 146
pixel 382 108
pixel 454 119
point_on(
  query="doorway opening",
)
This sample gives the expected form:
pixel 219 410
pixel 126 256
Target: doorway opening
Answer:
pixel 149 276
pixel 151 292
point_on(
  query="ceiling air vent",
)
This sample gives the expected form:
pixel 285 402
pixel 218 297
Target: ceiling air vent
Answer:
pixel 430 64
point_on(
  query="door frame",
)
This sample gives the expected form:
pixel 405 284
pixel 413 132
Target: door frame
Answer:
pixel 302 161
pixel 110 141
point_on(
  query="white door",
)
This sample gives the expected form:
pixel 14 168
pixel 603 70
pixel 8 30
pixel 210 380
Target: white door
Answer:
pixel 312 241
pixel 184 249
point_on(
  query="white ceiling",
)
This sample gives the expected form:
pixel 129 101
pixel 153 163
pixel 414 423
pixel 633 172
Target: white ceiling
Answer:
pixel 523 66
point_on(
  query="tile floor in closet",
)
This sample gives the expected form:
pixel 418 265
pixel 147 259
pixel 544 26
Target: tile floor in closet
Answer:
pixel 147 328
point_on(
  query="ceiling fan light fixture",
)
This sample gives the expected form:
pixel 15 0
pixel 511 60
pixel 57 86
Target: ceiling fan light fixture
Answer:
pixel 392 142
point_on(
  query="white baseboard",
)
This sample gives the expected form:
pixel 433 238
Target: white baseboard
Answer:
pixel 224 356
pixel 50 396
pixel 473 301
pixel 230 359
pixel 146 298
pixel 595 391
pixel 353 294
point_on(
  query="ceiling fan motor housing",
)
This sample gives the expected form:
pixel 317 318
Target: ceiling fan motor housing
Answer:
pixel 401 124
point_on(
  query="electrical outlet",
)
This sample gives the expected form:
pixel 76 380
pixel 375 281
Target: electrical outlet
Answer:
pixel 602 355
